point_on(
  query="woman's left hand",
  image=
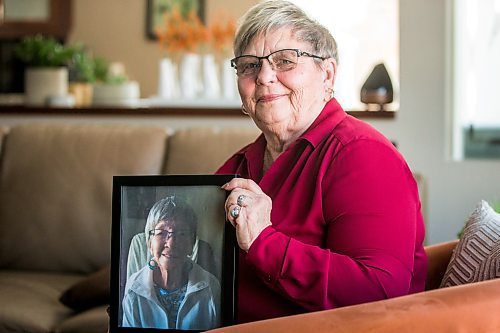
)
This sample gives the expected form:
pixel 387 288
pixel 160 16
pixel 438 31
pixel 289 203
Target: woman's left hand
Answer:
pixel 253 207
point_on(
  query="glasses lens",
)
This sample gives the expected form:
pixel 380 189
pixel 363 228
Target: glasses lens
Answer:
pixel 284 60
pixel 165 234
pixel 158 233
pixel 247 65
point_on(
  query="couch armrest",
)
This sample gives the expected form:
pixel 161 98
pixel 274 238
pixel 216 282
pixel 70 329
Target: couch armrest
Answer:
pixel 466 308
pixel 439 256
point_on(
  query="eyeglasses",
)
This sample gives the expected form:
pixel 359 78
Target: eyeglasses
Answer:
pixel 281 61
pixel 163 234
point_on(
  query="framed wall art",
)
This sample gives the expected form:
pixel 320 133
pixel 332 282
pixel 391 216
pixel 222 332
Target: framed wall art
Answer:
pixel 156 10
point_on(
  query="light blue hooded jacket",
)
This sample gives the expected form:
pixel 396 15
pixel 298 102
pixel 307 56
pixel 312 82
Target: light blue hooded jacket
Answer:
pixel 200 309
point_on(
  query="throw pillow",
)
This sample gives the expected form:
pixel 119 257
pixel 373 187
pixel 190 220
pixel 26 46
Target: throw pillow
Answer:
pixel 90 292
pixel 477 255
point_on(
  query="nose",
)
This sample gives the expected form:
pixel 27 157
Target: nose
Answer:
pixel 267 74
pixel 169 240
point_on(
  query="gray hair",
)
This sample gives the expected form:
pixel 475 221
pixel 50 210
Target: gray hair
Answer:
pixel 171 208
pixel 274 14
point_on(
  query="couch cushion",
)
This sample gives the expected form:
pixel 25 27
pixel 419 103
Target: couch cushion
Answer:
pixel 3 132
pixel 89 292
pixel 55 191
pixel 477 255
pixel 204 150
pixel 95 320
pixel 30 300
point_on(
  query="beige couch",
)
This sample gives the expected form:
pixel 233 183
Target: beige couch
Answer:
pixel 55 211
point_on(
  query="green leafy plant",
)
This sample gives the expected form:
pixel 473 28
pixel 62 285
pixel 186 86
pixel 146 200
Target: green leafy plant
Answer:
pixel 82 66
pixel 101 68
pixel 85 68
pixel 103 74
pixel 41 51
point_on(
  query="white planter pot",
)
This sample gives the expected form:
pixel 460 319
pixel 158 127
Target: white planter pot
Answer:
pixel 40 84
pixel 125 94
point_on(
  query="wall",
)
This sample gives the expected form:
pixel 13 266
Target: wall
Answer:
pixel 420 128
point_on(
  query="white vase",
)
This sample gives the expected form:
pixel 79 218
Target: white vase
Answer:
pixel 229 83
pixel 42 83
pixel 211 86
pixel 189 76
pixel 167 79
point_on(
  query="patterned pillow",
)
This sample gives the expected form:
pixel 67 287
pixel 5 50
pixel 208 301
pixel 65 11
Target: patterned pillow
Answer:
pixel 477 255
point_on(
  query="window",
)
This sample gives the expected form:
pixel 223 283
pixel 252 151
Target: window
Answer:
pixel 476 78
pixel 367 33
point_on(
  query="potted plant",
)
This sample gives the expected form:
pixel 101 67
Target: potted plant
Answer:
pixel 82 76
pixel 112 87
pixel 46 74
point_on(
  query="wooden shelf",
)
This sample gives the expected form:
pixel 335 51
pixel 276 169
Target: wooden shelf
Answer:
pixel 157 111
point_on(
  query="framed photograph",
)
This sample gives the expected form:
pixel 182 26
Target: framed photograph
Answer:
pixel 173 255
pixel 156 9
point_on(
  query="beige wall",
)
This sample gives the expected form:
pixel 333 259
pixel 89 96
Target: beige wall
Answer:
pixel 115 30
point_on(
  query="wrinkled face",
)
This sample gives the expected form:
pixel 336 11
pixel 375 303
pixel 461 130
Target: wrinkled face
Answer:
pixel 171 243
pixel 287 100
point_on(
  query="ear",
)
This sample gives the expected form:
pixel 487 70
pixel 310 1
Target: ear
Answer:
pixel 330 70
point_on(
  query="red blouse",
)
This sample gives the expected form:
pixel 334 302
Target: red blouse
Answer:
pixel 346 222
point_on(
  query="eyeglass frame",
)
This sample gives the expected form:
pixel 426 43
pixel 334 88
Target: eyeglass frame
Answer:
pixel 169 234
pixel 299 52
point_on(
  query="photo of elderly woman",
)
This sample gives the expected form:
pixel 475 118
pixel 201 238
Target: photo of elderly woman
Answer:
pixel 171 290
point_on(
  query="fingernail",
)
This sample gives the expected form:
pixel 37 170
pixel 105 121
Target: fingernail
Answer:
pixel 224 186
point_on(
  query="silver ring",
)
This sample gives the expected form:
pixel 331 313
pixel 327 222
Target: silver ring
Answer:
pixel 240 199
pixel 235 212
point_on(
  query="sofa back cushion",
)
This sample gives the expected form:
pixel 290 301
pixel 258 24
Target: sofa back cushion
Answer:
pixel 3 132
pixel 204 150
pixel 55 191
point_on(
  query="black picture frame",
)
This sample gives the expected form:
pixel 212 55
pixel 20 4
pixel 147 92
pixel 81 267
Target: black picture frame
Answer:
pixel 133 196
pixel 154 14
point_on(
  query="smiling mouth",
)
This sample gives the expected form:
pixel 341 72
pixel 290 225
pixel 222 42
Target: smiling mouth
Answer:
pixel 269 98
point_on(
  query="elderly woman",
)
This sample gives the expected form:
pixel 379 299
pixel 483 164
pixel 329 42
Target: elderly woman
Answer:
pixel 326 211
pixel 171 291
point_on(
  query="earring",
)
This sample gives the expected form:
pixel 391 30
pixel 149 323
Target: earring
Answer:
pixel 329 94
pixel 243 110
pixel 152 264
